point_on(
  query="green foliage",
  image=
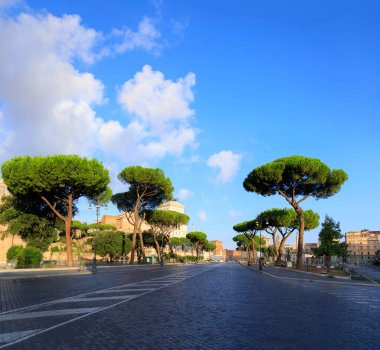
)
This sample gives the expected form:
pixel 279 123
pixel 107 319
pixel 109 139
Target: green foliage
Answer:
pixel 148 188
pixel 30 218
pixel 14 251
pixel 166 218
pixel 286 218
pixel 301 176
pixel 113 244
pixel 57 175
pixel 296 178
pixel 242 241
pixel 55 249
pixel 209 247
pixel 58 181
pixel 101 227
pixel 246 227
pixel 196 237
pixel 198 240
pixel 329 238
pixel 190 258
pixel 29 257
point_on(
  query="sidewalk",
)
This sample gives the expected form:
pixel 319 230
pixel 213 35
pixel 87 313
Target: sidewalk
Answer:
pixel 291 274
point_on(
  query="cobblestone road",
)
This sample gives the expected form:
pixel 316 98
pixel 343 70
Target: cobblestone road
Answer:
pixel 224 306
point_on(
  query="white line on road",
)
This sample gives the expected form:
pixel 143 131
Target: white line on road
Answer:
pixel 36 314
pixel 95 310
pixel 7 337
pixel 116 297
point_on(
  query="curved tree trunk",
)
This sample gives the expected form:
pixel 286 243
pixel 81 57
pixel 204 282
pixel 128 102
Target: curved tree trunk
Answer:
pixel 254 255
pixel 158 249
pixel 135 229
pixel 280 250
pixel 301 218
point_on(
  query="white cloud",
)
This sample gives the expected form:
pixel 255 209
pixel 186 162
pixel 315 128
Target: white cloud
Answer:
pixel 146 38
pixel 48 106
pixel 184 194
pixel 46 103
pixel 4 4
pixel 202 216
pixel 156 101
pixel 161 109
pixel 227 163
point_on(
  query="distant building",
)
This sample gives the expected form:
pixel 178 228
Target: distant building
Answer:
pixel 218 254
pixel 235 255
pixel 362 246
pixel 3 190
pixel 121 222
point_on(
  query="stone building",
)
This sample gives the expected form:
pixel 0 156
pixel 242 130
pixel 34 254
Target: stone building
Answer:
pixel 121 222
pixel 218 254
pixel 362 246
pixel 3 190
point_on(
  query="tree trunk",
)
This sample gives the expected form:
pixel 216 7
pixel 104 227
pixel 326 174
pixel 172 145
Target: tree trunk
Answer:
pixel 253 250
pixel 280 250
pixel 301 218
pixel 276 248
pixel 158 249
pixel 68 231
pixel 135 228
pixel 328 262
pixel 248 255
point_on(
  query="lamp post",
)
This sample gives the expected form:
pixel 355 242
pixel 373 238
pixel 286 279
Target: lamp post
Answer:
pixel 260 227
pixel 162 250
pixel 97 207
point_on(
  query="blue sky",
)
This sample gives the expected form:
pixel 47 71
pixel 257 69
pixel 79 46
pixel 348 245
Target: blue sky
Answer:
pixel 205 90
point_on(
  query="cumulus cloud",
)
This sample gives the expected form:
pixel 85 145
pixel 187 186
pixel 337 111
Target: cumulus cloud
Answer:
pixel 157 101
pixel 184 194
pixel 161 108
pixel 146 38
pixel 202 216
pixel 227 164
pixel 48 106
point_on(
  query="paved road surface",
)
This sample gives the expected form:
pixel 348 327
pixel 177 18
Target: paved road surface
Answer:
pixel 224 306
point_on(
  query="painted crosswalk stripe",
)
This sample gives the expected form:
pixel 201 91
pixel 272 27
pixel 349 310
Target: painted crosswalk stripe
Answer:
pixel 7 337
pixel 124 290
pixel 36 314
pixel 115 297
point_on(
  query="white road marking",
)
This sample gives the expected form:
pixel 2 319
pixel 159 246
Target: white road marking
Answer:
pixel 7 337
pixel 12 315
pixel 124 290
pixel 117 297
pixel 36 314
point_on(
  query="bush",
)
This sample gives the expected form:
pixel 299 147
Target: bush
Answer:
pixel 29 257
pixel 191 258
pixel 14 251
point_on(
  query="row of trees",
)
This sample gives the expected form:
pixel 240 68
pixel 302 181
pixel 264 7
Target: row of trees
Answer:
pixel 295 179
pixel 45 193
pixel 278 223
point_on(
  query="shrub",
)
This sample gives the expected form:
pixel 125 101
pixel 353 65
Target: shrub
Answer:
pixel 191 258
pixel 14 251
pixel 29 257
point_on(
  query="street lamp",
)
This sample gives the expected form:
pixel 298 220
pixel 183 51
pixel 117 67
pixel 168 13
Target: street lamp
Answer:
pixel 162 250
pixel 260 227
pixel 97 207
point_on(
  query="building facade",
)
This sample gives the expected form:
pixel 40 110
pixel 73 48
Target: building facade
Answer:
pixel 362 246
pixel 3 190
pixel 218 254
pixel 121 222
